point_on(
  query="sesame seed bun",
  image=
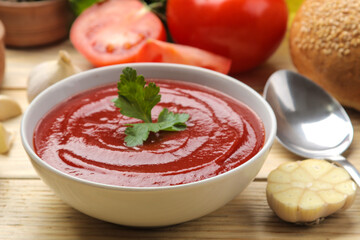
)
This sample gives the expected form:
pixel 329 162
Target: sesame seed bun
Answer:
pixel 325 46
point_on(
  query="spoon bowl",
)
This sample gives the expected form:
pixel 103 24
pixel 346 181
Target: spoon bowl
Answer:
pixel 311 123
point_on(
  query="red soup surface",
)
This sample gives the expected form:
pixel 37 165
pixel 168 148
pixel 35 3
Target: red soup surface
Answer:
pixel 84 137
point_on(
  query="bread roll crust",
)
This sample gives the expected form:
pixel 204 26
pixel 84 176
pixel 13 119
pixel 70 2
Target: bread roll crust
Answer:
pixel 325 46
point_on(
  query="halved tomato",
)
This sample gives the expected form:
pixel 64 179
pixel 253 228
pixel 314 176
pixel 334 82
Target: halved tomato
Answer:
pixel 113 31
pixel 121 31
pixel 160 51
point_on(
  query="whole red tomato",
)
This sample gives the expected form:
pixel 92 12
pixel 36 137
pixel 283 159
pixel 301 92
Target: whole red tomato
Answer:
pixel 246 31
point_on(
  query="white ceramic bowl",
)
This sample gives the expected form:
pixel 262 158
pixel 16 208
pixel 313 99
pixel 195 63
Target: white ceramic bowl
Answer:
pixel 147 206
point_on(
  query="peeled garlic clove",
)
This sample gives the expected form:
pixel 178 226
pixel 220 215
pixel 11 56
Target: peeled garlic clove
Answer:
pixel 6 139
pixel 9 108
pixel 47 73
pixel 309 190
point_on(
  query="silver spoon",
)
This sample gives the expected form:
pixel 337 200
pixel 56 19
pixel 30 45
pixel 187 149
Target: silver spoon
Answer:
pixel 311 123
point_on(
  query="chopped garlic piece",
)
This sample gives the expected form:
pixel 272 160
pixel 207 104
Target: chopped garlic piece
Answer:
pixel 8 108
pixel 6 139
pixel 306 191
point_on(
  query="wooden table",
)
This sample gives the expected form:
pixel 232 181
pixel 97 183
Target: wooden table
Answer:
pixel 30 210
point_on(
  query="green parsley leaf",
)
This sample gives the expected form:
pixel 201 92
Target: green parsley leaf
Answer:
pixel 170 121
pixel 78 6
pixel 137 100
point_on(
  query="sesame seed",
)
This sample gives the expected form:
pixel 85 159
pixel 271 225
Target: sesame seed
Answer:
pixel 330 26
pixel 354 42
pixel 326 51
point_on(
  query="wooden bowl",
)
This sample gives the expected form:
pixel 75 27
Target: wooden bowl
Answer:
pixel 35 23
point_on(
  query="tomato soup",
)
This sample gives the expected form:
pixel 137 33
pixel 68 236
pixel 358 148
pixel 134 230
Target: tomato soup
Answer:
pixel 84 137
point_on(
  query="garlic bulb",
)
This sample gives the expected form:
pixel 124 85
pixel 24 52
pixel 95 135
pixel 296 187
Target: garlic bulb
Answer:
pixel 9 108
pixel 309 190
pixel 6 139
pixel 47 73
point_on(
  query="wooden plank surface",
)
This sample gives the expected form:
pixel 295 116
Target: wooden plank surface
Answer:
pixel 19 62
pixel 30 210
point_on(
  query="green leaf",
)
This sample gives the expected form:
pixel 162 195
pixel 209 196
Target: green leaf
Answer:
pixel 170 121
pixel 136 134
pixel 136 100
pixel 167 121
pixel 78 6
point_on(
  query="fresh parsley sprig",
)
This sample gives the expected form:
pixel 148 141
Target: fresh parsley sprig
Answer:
pixel 136 99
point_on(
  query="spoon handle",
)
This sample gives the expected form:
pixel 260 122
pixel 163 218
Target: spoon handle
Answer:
pixel 340 160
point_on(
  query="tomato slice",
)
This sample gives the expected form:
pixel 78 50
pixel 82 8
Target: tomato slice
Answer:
pixel 160 51
pixel 114 31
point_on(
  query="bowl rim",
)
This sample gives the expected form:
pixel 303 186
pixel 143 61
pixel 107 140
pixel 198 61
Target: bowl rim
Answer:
pixel 270 136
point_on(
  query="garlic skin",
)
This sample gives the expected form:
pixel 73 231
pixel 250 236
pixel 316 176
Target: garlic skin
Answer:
pixel 6 139
pixel 9 108
pixel 47 73
pixel 307 191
